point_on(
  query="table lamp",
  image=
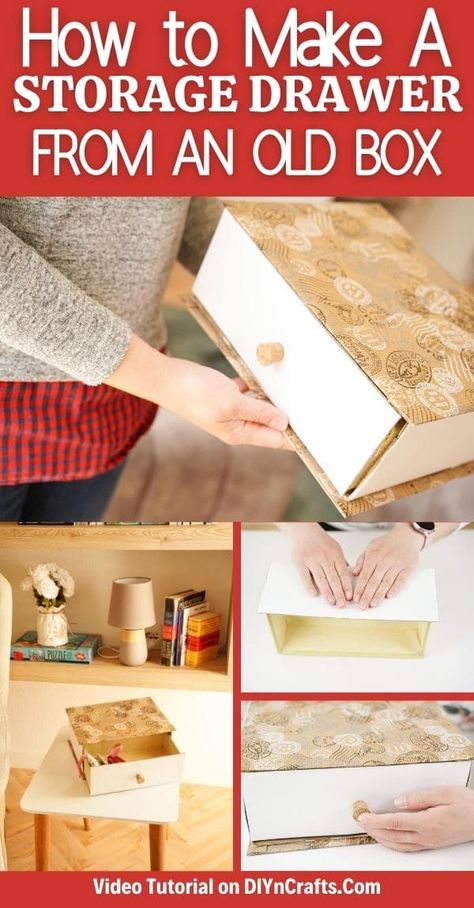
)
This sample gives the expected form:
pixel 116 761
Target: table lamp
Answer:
pixel 132 609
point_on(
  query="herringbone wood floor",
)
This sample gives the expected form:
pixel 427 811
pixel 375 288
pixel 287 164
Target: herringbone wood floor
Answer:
pixel 200 840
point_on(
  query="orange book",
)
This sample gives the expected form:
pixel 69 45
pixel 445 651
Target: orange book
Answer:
pixel 197 657
pixel 203 624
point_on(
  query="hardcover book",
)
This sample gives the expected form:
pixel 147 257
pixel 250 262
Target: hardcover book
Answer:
pixel 170 621
pixel 185 612
pixel 202 643
pixel 79 648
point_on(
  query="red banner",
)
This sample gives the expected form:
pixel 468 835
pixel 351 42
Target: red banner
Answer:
pixel 236 98
pixel 386 889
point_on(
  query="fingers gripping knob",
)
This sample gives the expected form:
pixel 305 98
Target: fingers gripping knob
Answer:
pixel 358 808
pixel 267 354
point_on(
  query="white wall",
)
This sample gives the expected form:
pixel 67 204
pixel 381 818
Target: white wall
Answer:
pixel 94 570
pixel 203 722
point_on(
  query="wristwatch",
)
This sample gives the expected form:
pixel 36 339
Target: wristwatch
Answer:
pixel 426 530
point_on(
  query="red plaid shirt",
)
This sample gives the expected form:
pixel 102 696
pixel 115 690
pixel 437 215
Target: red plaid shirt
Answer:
pixel 58 431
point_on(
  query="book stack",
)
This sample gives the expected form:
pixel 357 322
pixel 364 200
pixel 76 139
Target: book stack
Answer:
pixel 179 607
pixel 203 638
pixel 79 648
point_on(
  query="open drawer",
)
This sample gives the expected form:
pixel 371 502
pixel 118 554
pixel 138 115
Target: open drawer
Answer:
pixel 138 731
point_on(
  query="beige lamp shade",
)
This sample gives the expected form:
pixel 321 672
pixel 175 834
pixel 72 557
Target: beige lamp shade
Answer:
pixel 131 603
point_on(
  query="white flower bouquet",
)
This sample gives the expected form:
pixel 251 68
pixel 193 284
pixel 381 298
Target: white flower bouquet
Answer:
pixel 51 585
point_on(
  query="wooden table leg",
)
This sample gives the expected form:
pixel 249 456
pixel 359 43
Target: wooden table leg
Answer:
pixel 87 824
pixel 158 836
pixel 42 841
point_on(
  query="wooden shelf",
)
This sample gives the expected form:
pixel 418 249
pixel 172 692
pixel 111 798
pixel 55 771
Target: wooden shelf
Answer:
pixel 212 676
pixel 197 537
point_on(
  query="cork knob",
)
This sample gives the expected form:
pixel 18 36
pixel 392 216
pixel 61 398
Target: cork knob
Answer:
pixel 139 779
pixel 358 808
pixel 270 353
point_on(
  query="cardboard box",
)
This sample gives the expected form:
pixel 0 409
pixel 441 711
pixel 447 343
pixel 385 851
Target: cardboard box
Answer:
pixel 374 342
pixel 304 764
pixel 151 756
pixel 307 626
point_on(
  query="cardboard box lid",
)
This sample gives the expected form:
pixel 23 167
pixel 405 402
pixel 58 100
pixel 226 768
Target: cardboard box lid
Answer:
pixel 283 594
pixel 403 319
pixel 289 735
pixel 118 720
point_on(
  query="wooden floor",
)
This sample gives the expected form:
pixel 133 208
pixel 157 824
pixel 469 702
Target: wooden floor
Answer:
pixel 200 840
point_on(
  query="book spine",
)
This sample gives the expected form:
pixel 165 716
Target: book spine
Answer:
pixel 179 631
pixel 203 655
pixel 167 632
pixel 197 643
pixel 187 614
pixel 185 602
pixel 53 654
pixel 198 628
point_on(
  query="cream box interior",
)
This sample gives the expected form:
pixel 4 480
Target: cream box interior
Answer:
pixel 306 626
pixel 150 755
pixel 305 764
pixel 345 312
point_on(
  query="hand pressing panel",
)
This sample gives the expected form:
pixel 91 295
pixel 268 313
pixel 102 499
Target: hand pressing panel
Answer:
pixel 380 571
pixel 385 565
pixel 320 563
pixel 434 818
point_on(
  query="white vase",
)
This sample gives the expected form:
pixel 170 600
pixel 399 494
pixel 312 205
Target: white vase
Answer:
pixel 51 626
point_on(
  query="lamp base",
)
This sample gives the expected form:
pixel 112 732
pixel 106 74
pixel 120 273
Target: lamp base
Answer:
pixel 133 648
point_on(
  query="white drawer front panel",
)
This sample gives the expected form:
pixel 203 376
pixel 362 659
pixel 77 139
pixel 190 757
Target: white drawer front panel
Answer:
pixel 313 802
pixel 127 776
pixel 335 409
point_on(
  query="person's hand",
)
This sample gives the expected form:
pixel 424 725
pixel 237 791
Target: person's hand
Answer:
pixel 385 565
pixel 218 404
pixel 205 397
pixel 431 819
pixel 320 563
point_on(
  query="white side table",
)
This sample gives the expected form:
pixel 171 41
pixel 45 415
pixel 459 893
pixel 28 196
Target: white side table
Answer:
pixel 57 789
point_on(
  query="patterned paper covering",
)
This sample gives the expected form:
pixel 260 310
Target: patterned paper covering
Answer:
pixel 349 508
pixel 117 721
pixel 399 315
pixel 329 734
pixel 275 846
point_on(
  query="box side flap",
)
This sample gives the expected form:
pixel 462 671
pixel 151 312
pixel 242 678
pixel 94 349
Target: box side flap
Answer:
pixel 289 735
pixel 422 451
pixel 283 594
pixel 392 307
pixel 117 720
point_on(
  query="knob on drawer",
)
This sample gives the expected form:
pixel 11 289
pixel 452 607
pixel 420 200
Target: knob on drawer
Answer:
pixel 270 353
pixel 139 779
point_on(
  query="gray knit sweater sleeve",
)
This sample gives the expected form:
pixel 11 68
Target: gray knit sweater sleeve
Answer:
pixel 203 217
pixel 46 316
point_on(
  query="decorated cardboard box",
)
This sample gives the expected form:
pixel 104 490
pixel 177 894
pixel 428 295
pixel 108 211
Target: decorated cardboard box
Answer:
pixel 124 745
pixel 304 625
pixel 306 764
pixel 337 316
